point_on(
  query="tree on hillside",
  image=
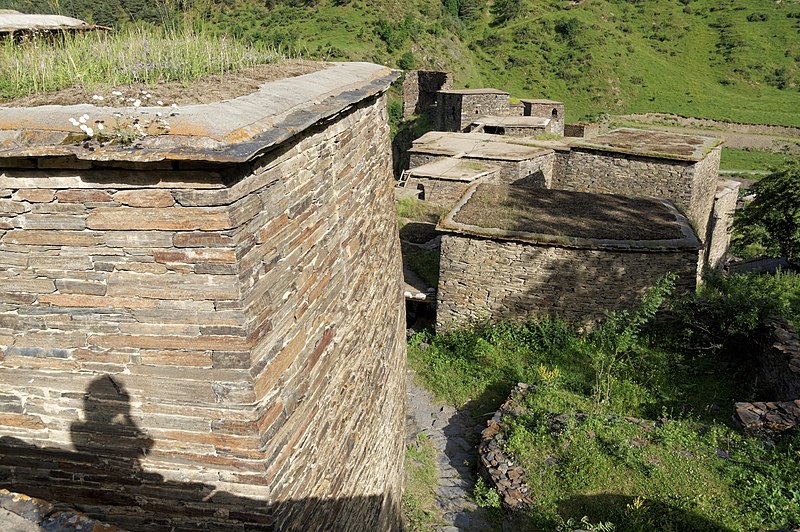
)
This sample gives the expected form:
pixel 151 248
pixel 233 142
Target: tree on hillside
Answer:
pixel 772 219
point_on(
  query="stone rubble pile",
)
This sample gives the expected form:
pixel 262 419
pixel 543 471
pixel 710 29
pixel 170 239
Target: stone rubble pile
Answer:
pixel 495 464
pixel 768 417
pixel 779 372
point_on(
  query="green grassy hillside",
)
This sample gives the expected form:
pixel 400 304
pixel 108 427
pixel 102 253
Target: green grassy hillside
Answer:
pixel 724 59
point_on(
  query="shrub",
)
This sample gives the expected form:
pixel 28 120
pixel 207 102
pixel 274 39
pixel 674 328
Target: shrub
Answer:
pixel 406 61
pixel 773 217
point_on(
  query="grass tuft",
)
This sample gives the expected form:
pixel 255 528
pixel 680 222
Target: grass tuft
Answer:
pixel 135 54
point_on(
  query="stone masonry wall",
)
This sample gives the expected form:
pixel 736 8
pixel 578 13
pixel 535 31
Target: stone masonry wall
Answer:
pixel 721 221
pixel 481 278
pixel 439 191
pixel 420 88
pixel 207 347
pixel 533 172
pixel 581 129
pixel 457 111
pixel 554 111
pixel 691 186
pixel 703 190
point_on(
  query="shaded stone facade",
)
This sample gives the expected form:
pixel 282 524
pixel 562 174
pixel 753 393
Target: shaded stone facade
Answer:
pixel 581 129
pixel 210 345
pixel 691 184
pixel 719 229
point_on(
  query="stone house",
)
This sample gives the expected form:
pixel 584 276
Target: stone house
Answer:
pixel 549 109
pixel 182 340
pixel 457 109
pixel 511 126
pixel 443 181
pixel 683 168
pixel 520 164
pixel 509 252
pixel 420 88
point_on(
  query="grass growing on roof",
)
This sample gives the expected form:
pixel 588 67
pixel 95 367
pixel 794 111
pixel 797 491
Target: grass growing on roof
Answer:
pixel 135 54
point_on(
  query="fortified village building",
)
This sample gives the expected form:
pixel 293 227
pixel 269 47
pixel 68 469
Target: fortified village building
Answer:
pixel 554 225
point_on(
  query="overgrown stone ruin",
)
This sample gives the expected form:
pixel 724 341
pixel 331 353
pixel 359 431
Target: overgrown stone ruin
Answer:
pixel 492 272
pixel 205 330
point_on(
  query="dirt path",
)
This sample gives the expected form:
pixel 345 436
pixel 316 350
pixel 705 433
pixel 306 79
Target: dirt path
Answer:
pixel 754 136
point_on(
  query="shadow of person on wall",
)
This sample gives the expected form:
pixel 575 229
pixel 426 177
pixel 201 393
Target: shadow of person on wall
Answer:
pixel 109 432
pixel 105 479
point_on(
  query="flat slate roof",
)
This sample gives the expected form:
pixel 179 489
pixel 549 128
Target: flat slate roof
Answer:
pixel 533 122
pixel 474 146
pixel 472 91
pixel 540 100
pixel 231 131
pixel 661 144
pixel 570 219
pixel 11 21
pixel 452 169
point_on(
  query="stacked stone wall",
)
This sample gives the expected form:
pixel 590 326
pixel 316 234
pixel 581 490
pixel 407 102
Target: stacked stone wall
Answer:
pixel 581 129
pixel 616 173
pixel 420 88
pixel 481 279
pixel 534 172
pixel 439 191
pixel 691 186
pixel 703 190
pixel 554 111
pixel 457 111
pixel 719 228
pixel 207 348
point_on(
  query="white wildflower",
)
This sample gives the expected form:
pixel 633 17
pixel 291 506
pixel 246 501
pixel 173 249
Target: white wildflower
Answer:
pixel 174 106
pixel 73 122
pixel 159 102
pixel 82 119
pixel 137 103
pixel 158 114
pixel 89 131
pixel 116 93
pixel 98 98
pixel 100 126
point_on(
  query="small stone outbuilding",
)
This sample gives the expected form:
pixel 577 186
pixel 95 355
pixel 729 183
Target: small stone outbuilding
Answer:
pixel 457 109
pixel 513 252
pixel 518 163
pixel 549 109
pixel 512 126
pixel 683 168
pixel 444 181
